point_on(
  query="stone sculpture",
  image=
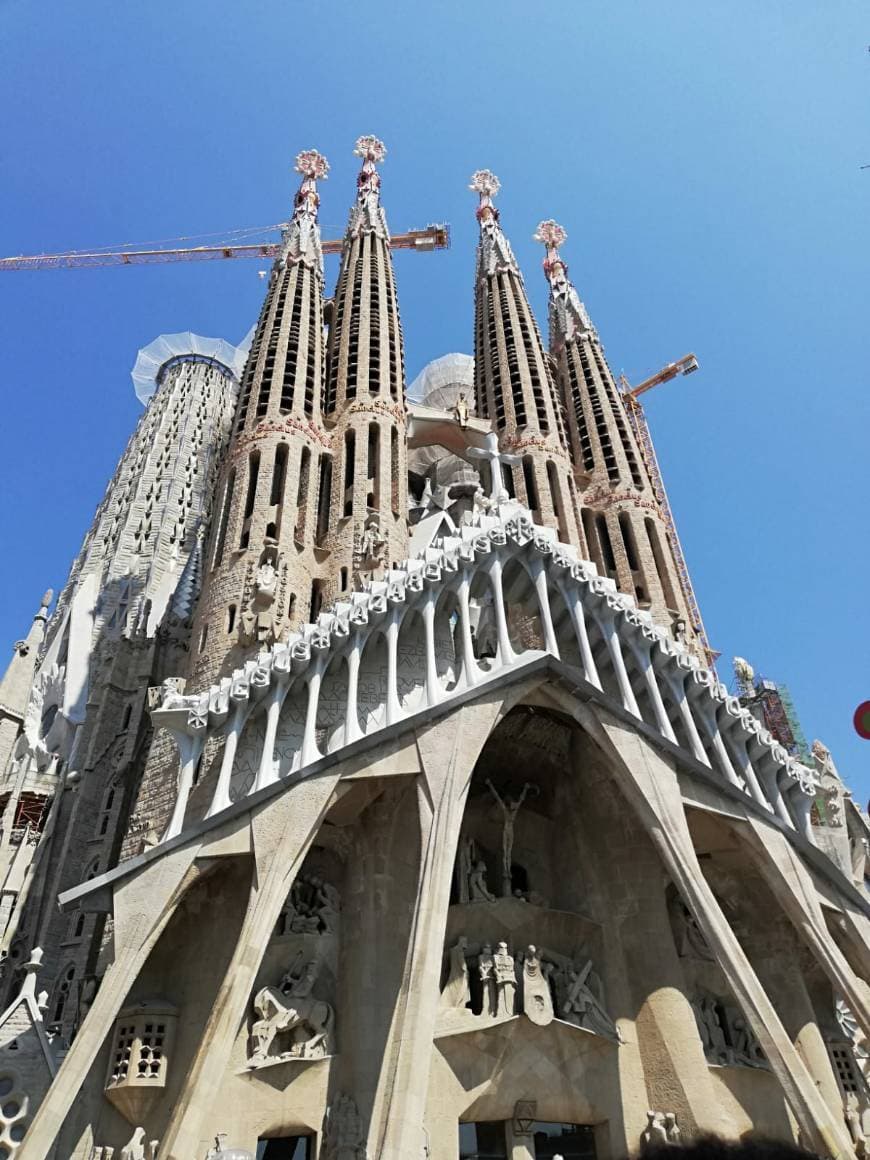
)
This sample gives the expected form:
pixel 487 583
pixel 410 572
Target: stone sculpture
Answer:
pixel 466 862
pixel 292 1009
pixel 486 973
pixel 460 410
pixel 584 1002
pixel 344 1133
pixel 257 620
pixel 477 888
pixel 537 998
pixel 689 938
pixel 509 809
pixel 134 1149
pixel 725 1035
pixel 457 992
pixel 369 546
pixel 661 1130
pixel 312 907
pixel 504 972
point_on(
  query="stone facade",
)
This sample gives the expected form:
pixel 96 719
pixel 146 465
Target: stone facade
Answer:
pixel 446 843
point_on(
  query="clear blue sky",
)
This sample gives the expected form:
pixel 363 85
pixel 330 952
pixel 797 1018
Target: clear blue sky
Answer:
pixel 704 158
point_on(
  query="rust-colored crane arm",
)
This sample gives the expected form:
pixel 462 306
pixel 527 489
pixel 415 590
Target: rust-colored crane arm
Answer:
pixel 435 237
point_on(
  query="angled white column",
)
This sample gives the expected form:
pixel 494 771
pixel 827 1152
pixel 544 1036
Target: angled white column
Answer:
pixel 574 604
pixel 310 752
pixel 352 731
pixel 470 670
pixel 394 708
pixel 267 772
pixel 221 797
pixel 190 750
pixel 506 654
pixel 539 572
pixel 641 652
pixel 614 648
pixel 433 685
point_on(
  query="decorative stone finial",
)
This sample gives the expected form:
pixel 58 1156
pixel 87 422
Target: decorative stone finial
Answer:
pixel 370 148
pixel 551 235
pixel 314 167
pixel 368 182
pixel 744 674
pixel 485 183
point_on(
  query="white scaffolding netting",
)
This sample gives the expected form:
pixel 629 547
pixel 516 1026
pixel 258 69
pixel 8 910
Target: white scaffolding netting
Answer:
pixel 153 357
pixel 440 382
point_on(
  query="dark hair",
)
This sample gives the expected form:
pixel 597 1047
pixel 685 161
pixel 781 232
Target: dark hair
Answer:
pixel 710 1147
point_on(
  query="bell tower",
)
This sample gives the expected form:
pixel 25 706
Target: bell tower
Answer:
pixel 263 567
pixel 624 530
pixel 365 394
pixel 513 379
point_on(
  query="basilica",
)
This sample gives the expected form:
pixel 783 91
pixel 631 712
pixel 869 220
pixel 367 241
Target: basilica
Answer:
pixel 370 792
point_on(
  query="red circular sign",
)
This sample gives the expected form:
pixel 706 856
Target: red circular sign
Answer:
pixel 862 720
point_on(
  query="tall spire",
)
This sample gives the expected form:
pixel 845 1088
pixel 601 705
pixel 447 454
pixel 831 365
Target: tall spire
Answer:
pixel 513 380
pixel 623 526
pixel 365 391
pixel 17 680
pixel 301 238
pixel 367 215
pixel 494 252
pixel 568 316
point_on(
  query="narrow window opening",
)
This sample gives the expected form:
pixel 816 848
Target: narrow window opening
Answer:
pixel 344 575
pixel 231 618
pixel 279 474
pixel 203 637
pixel 628 540
pixel 606 545
pixel 316 600
pixel 661 566
pixel 224 520
pixel 556 496
pixel 531 485
pixel 253 473
pixel 128 713
pixel 372 470
pixel 323 491
pixel 302 495
pixel 394 469
pixel 349 466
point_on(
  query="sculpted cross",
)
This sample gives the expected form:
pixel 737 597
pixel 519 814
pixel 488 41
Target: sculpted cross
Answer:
pixel 498 492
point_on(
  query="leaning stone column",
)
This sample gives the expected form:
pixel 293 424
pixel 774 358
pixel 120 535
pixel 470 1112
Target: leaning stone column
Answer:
pixel 281 834
pixel 651 786
pixel 143 905
pixel 448 751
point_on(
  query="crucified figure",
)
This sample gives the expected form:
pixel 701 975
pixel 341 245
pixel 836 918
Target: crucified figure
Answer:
pixel 509 809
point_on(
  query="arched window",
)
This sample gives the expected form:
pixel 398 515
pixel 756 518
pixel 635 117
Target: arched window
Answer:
pixel 62 990
pixel 302 495
pixel 253 475
pixel 661 566
pixel 105 815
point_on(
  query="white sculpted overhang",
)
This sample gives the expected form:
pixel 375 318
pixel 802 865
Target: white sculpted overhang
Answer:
pixel 357 670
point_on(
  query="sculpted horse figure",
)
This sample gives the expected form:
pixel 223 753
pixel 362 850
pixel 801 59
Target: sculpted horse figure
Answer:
pixel 279 1013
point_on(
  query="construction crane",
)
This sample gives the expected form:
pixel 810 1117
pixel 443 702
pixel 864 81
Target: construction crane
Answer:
pixel 687 365
pixel 433 237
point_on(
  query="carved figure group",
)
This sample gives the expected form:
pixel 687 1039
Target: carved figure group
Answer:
pixel 661 1129
pixel 725 1035
pixel 312 907
pixel 541 986
pixel 293 1011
